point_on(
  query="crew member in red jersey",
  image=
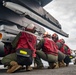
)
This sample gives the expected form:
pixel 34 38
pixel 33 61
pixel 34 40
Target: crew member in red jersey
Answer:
pixel 61 55
pixel 47 50
pixel 25 39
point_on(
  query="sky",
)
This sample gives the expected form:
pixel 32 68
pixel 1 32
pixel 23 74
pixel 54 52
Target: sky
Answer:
pixel 65 12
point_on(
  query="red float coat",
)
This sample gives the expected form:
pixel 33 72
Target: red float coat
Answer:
pixel 63 50
pixel 66 51
pixel 27 40
pixel 60 46
pixel 50 47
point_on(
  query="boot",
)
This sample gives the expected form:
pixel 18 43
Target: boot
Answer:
pixel 29 68
pixel 8 67
pixel 67 65
pixel 35 65
pixel 14 67
pixel 56 65
pixel 53 66
pixel 62 64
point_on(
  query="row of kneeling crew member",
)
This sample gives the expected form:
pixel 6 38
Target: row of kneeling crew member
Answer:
pixel 24 48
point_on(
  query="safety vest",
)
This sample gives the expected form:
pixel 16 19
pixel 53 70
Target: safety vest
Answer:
pixel 27 40
pixel 64 48
pixel 67 50
pixel 60 46
pixel 50 47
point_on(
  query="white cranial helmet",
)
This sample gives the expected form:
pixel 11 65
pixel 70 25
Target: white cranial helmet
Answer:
pixel 30 26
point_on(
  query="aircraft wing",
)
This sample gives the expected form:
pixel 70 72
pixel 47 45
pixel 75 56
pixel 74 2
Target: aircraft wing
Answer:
pixel 29 11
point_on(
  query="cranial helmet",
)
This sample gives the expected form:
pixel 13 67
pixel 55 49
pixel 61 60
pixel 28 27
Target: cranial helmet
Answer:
pixel 62 40
pixel 55 37
pixel 46 34
pixel 30 26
